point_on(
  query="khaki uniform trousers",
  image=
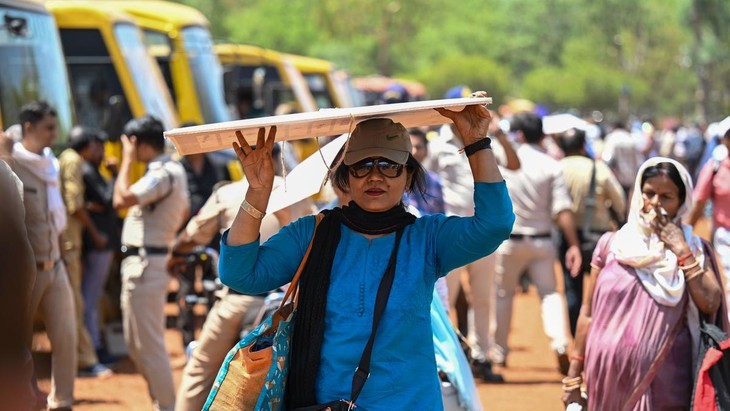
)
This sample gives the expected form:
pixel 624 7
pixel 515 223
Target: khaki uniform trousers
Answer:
pixel 482 300
pixel 222 329
pixel 144 293
pixel 85 351
pixel 537 256
pixel 53 298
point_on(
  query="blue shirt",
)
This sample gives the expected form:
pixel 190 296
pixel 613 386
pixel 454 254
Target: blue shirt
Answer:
pixel 403 369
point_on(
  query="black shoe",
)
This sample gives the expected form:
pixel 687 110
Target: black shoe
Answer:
pixel 105 358
pixel 563 361
pixel 483 371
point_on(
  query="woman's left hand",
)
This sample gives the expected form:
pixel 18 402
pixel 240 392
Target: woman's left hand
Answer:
pixel 472 122
pixel 669 233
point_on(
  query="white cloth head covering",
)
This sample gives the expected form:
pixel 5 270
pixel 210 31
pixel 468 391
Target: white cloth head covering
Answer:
pixel 46 168
pixel 636 244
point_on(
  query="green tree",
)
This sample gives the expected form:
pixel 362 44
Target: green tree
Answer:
pixel 563 53
pixel 478 73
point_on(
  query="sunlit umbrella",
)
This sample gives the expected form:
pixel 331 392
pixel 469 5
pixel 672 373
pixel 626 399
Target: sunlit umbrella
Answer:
pixel 306 179
pixel 723 126
pixel 559 123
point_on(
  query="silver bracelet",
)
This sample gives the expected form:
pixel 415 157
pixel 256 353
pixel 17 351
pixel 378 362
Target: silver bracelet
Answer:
pixel 252 211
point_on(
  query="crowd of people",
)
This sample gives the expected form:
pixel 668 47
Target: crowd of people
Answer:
pixel 473 218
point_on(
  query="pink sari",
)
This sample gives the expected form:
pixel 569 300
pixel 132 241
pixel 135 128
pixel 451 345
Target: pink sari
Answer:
pixel 638 352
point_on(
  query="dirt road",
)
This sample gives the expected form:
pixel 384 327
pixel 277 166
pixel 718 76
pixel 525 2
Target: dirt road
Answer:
pixel 532 380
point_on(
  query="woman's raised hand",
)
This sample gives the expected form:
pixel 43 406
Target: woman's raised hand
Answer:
pixel 258 164
pixel 472 122
pixel 669 232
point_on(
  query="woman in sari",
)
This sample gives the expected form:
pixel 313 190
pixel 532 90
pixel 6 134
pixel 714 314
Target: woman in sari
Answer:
pixel 638 331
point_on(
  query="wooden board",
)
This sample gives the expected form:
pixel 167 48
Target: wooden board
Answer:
pixel 326 122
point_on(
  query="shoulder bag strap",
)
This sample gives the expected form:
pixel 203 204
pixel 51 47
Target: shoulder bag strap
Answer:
pixel 292 291
pixel 363 369
pixel 590 203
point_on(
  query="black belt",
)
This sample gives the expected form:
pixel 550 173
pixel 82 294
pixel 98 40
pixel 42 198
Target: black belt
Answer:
pixel 130 251
pixel 514 236
pixel 232 291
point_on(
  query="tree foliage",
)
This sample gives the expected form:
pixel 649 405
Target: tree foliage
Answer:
pixel 564 54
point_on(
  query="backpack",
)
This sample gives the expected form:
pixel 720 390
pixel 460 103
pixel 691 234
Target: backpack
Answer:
pixel 712 381
pixel 711 391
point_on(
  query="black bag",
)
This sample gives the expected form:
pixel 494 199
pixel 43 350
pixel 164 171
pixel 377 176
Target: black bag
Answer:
pixel 712 379
pixel 589 238
pixel 711 389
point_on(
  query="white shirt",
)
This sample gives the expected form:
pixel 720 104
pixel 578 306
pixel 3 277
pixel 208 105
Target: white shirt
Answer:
pixel 452 167
pixel 622 154
pixel 538 190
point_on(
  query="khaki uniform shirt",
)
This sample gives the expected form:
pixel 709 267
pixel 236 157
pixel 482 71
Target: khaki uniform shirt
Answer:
pixel 218 212
pixel 42 233
pixel 538 191
pixel 163 205
pixel 609 193
pixel 72 188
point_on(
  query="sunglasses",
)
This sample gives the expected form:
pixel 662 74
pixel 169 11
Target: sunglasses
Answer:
pixel 385 167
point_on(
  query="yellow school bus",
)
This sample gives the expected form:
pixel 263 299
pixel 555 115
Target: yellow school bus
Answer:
pixel 31 64
pixel 179 38
pixel 113 79
pixel 322 81
pixel 257 81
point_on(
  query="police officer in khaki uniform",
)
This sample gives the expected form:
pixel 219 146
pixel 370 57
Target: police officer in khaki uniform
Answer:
pixel 158 206
pixel 45 219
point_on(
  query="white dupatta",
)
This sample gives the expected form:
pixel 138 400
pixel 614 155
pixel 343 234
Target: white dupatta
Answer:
pixel 636 244
pixel 46 168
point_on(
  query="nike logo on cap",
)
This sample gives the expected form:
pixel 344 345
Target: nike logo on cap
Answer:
pixel 391 137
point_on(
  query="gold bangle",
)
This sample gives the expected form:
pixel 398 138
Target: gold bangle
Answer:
pixel 251 210
pixel 691 276
pixel 687 267
pixel 572 383
pixel 572 380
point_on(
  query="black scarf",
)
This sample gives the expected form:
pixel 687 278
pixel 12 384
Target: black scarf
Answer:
pixel 314 283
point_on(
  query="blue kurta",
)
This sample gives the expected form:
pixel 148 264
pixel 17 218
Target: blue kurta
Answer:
pixel 403 369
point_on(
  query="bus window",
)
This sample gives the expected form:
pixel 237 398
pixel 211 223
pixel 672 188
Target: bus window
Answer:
pixel 99 98
pixel 32 66
pixel 147 82
pixel 207 73
pixel 262 82
pixel 160 46
pixel 318 86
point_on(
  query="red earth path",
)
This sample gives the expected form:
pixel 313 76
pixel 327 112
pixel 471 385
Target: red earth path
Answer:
pixel 533 382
